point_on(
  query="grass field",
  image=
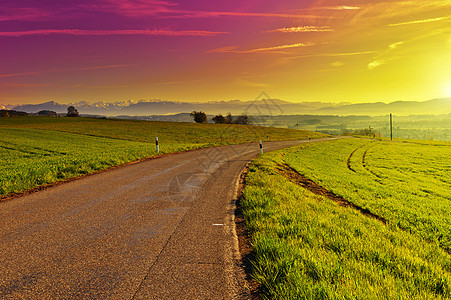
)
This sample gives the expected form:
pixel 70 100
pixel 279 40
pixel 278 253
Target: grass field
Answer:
pixel 310 247
pixel 36 151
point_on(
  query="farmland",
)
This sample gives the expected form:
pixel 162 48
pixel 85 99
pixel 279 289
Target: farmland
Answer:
pixel 36 151
pixel 390 240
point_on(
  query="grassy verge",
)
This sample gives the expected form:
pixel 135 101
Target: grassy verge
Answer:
pixel 36 151
pixel 308 247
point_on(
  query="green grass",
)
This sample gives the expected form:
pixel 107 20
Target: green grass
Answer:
pixel 36 151
pixel 173 136
pixel 408 184
pixel 308 247
pixel 30 158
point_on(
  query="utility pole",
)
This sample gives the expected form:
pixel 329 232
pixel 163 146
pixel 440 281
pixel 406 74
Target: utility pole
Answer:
pixel 391 127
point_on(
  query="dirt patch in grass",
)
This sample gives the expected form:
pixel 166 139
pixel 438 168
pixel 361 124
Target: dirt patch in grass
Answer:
pixel 310 185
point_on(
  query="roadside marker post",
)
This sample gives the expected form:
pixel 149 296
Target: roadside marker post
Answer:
pixel 261 147
pixel 391 127
pixel 158 146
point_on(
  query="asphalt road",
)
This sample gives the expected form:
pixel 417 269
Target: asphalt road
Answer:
pixel 159 229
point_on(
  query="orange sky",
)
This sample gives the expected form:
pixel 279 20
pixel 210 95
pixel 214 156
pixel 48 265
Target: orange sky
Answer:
pixel 324 50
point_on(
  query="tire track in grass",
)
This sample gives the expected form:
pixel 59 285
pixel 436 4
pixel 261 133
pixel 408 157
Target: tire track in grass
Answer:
pixel 379 177
pixel 292 175
pixel 348 162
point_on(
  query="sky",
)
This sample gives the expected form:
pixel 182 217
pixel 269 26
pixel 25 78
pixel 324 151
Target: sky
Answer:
pixel 294 50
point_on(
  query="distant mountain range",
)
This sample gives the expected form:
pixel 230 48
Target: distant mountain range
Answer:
pixel 261 107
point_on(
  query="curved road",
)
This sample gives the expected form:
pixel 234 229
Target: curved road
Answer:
pixel 159 229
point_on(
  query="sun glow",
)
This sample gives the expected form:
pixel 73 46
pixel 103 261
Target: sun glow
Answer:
pixel 447 89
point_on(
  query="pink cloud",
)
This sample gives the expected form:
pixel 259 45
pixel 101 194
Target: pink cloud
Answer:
pixel 272 49
pixel 23 14
pixel 206 14
pixel 27 85
pixel 111 32
pixel 63 70
pixel 303 29
pixel 141 8
pixel 344 7
pixel 134 8
pixel 166 9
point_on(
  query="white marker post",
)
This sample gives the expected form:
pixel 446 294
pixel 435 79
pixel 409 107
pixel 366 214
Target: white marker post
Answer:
pixel 261 147
pixel 158 146
pixel 391 127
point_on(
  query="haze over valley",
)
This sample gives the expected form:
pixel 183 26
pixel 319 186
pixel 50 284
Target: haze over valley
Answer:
pixel 272 107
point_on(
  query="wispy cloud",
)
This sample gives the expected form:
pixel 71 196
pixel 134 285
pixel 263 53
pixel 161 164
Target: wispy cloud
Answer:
pixel 343 7
pixel 228 49
pixel 27 85
pixel 376 63
pixel 338 64
pixel 174 82
pixel 133 8
pixel 168 9
pixel 331 54
pixel 350 53
pixel 303 29
pixel 64 70
pixel 396 45
pixel 384 56
pixel 206 14
pixel 233 49
pixel 106 86
pixel 145 8
pixel 396 13
pixel 111 32
pixel 23 14
pixel 249 83
pixel 419 21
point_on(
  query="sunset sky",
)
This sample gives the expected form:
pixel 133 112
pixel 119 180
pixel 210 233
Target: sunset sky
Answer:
pixel 198 50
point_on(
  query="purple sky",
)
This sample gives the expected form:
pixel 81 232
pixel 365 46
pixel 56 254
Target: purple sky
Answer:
pixel 326 50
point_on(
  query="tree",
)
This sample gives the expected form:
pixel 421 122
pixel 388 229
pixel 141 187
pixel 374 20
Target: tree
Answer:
pixel 229 118
pixel 72 112
pixel 12 113
pixel 219 119
pixel 199 116
pixel 243 120
pixel 47 113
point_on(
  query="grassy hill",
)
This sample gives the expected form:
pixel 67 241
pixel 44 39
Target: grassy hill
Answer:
pixel 36 151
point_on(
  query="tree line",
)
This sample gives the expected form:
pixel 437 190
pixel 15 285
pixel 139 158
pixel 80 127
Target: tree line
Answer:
pixel 201 117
